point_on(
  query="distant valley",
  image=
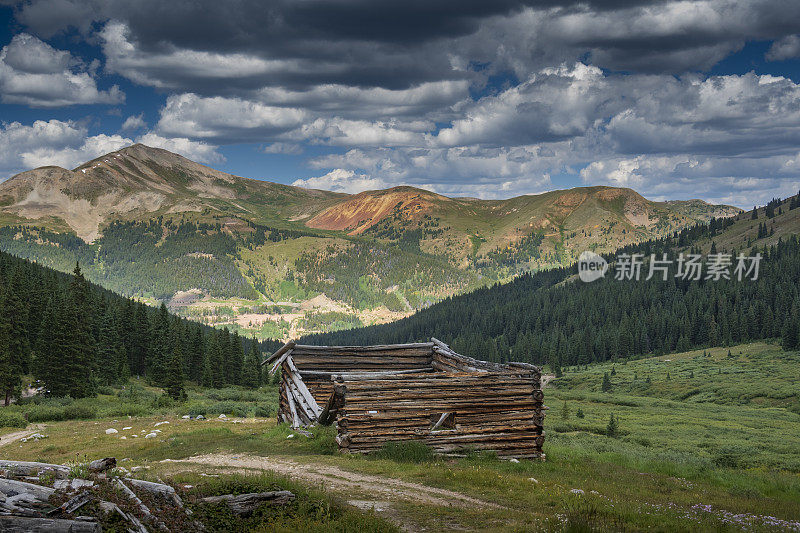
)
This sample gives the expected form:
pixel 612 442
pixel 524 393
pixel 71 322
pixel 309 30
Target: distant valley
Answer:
pixel 278 261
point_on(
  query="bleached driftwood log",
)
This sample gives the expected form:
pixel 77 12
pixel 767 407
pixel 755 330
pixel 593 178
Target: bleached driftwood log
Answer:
pixel 11 487
pixel 27 468
pixel 159 489
pixel 21 524
pixel 245 504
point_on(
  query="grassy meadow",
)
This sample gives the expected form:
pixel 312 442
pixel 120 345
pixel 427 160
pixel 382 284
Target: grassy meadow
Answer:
pixel 704 441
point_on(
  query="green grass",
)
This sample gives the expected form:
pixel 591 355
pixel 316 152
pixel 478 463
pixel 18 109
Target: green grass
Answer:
pixel 678 464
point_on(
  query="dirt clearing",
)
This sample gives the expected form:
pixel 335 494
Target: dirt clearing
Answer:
pixel 354 484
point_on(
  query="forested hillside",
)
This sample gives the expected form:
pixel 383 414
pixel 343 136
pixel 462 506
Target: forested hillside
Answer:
pixel 550 317
pixel 145 222
pixel 73 336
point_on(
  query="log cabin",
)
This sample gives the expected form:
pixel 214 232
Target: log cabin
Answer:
pixel 418 391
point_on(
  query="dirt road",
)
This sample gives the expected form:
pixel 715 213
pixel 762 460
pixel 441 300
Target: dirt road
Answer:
pixel 14 436
pixel 338 480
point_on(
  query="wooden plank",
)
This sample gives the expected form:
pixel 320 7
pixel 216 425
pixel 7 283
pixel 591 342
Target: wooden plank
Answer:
pixel 305 374
pixel 292 409
pixel 302 389
pixel 285 348
pixel 368 348
pixel 280 361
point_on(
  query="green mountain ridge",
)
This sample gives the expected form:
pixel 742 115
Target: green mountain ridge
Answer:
pixel 553 318
pixel 149 223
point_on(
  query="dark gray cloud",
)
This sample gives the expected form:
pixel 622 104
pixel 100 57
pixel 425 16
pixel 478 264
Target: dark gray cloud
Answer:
pixel 608 91
pixel 399 44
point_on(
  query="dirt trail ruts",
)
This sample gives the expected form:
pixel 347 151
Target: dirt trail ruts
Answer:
pixel 332 477
pixel 14 436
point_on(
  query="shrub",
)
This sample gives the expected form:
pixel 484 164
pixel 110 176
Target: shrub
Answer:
pixel 165 400
pixel 263 410
pixel 136 393
pixel 612 430
pixel 43 413
pixel 732 457
pixel 105 389
pixel 229 408
pixel 196 408
pixel 12 420
pixel 411 451
pixel 324 440
pixel 79 412
pixel 234 395
pixel 131 409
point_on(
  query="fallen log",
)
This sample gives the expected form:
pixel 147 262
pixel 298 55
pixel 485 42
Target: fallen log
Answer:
pixel 245 504
pixel 140 504
pixel 20 524
pixel 159 489
pixel 76 502
pixel 11 487
pixel 109 507
pixel 27 468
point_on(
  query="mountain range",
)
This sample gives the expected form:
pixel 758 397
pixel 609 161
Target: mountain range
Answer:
pixel 278 260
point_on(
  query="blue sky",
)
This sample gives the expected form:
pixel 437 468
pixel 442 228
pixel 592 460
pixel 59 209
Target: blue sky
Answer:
pixel 673 99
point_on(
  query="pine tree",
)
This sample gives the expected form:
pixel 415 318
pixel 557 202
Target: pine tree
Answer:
pixel 213 372
pixel 14 347
pixel 612 429
pixel 606 385
pixel 173 382
pixel 754 216
pixel 160 348
pixel 565 411
pixel 109 350
pixel 196 357
pixel 139 343
pixel 10 371
pixel 579 413
pixel 46 348
pixel 791 332
pixel 251 373
pixel 79 348
pixel 236 360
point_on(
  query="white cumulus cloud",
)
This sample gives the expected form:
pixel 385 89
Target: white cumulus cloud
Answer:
pixel 341 180
pixel 34 73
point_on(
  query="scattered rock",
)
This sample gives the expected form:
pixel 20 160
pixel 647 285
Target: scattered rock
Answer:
pixel 126 428
pixel 514 460
pixel 186 417
pixel 533 480
pixel 160 423
pixel 111 431
pixel 35 437
pixel 123 438
pixel 101 465
pixel 151 435
pixel 290 436
pixel 577 491
pixel 200 417
pixel 223 415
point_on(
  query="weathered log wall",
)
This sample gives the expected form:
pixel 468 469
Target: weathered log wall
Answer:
pixel 419 391
pixel 487 411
